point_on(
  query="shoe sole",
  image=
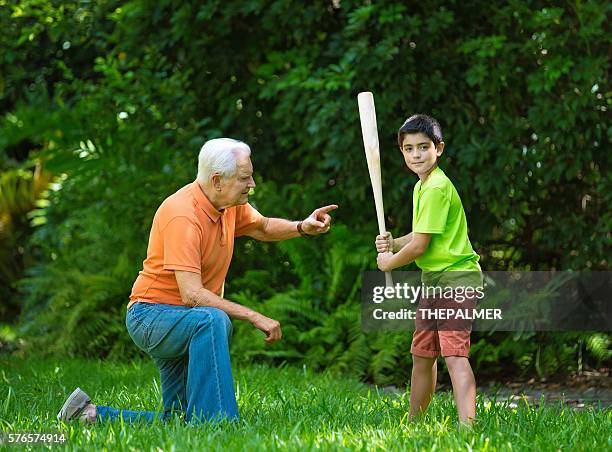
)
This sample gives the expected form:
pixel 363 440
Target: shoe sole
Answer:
pixel 77 400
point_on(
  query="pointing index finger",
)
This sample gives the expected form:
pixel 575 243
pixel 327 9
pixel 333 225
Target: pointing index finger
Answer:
pixel 327 208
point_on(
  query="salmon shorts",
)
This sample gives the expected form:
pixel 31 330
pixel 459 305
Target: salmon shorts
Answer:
pixel 437 335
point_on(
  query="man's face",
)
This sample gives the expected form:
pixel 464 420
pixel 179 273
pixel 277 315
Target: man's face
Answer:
pixel 420 154
pixel 235 189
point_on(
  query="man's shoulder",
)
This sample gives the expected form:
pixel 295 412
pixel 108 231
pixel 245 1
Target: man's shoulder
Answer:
pixel 178 204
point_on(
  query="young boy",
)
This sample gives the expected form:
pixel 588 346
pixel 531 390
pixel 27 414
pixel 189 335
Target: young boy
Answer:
pixel 438 244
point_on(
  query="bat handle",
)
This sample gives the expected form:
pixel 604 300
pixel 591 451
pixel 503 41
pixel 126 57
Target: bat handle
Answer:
pixel 381 230
pixel 388 279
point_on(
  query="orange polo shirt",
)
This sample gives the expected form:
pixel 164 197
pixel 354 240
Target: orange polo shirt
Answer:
pixel 189 234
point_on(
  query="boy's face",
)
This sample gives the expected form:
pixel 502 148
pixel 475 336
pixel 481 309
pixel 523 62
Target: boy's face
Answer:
pixel 420 154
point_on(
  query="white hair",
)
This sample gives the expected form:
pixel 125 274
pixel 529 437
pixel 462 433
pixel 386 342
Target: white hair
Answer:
pixel 219 156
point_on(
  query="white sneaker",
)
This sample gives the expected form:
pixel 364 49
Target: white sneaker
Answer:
pixel 74 405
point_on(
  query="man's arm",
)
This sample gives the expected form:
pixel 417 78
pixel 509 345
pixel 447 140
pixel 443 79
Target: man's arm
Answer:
pixel 194 294
pixel 413 249
pixel 275 229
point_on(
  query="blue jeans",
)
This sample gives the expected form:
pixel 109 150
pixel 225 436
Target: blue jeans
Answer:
pixel 190 346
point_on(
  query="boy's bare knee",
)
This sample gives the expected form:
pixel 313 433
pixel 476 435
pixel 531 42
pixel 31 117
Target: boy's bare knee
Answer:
pixel 419 361
pixel 456 362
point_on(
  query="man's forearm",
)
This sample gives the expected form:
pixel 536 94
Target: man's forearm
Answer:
pixel 276 229
pixel 204 297
pixel 401 242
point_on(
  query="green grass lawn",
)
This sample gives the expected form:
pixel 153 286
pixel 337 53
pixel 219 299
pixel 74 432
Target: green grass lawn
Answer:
pixel 281 408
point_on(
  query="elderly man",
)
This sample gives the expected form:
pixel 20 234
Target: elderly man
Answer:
pixel 177 313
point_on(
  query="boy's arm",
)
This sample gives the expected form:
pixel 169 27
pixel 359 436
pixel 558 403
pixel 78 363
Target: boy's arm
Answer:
pixel 401 242
pixel 386 243
pixel 413 249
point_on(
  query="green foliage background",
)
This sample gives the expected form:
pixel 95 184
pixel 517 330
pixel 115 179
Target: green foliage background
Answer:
pixel 114 99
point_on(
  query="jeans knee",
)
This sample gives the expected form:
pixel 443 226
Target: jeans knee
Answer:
pixel 213 319
pixel 220 320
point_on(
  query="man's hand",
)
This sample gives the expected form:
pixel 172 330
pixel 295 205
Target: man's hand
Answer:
pixel 384 243
pixel 269 326
pixel 319 221
pixel 193 294
pixel 383 261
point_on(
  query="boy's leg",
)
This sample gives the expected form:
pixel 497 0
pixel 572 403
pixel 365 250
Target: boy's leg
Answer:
pixel 455 347
pixel 464 387
pixel 425 349
pixel 454 337
pixel 422 383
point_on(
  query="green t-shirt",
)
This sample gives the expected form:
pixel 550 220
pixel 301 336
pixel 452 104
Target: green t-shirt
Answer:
pixel 437 210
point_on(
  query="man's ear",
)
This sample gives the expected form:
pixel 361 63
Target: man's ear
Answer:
pixel 440 148
pixel 216 181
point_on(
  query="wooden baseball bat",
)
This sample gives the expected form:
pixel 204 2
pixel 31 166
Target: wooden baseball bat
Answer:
pixel 369 130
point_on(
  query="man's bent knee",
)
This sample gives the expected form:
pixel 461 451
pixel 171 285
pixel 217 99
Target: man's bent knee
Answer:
pixel 218 319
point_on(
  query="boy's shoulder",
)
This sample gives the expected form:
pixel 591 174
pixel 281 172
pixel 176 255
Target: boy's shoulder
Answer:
pixel 437 179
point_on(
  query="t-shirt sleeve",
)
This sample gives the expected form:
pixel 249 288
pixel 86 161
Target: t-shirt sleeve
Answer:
pixel 247 219
pixel 432 212
pixel 182 245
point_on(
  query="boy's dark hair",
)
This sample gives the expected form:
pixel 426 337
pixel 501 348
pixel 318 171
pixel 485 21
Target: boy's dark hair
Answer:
pixel 421 124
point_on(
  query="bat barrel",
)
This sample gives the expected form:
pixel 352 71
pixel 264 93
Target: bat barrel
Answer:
pixel 369 131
